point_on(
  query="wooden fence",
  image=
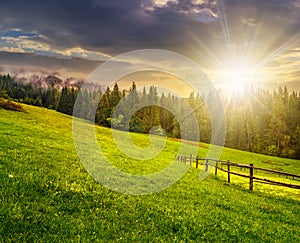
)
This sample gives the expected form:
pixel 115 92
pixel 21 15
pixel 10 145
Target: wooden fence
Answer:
pixel 226 166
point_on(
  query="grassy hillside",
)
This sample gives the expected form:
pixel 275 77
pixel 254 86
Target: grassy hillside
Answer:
pixel 46 194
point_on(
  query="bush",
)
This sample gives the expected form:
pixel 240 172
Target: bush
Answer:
pixel 9 105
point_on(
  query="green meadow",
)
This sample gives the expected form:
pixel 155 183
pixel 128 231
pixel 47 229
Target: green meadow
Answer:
pixel 46 194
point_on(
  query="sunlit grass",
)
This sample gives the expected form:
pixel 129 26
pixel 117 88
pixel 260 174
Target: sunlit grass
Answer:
pixel 47 196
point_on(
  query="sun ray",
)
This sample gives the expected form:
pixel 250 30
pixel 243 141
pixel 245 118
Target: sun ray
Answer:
pixel 218 62
pixel 224 26
pixel 284 47
pixel 241 59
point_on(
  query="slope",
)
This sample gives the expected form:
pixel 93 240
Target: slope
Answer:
pixel 47 195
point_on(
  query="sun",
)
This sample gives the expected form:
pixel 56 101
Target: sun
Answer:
pixel 235 78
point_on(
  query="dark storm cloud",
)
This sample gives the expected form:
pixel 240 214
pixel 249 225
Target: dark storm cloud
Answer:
pixel 122 24
pixel 109 25
pixel 190 27
pixel 68 23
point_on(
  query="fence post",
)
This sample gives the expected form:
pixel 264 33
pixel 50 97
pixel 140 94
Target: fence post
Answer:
pixel 216 168
pixel 185 159
pixel 197 161
pixel 251 178
pixel 191 159
pixel 228 169
pixel 206 165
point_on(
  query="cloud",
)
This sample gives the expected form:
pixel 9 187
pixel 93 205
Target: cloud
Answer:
pixel 295 74
pixel 74 67
pixel 106 26
pixel 296 3
pixel 17 33
pixel 208 31
pixel 17 41
pixel 163 3
pixel 114 26
pixel 204 15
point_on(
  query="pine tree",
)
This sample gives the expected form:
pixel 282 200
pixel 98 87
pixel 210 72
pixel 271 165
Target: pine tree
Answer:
pixel 115 96
pixel 104 109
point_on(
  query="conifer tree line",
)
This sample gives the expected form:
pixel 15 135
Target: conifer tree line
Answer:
pixel 257 121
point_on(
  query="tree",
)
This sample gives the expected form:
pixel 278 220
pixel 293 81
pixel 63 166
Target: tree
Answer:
pixel 104 109
pixel 277 126
pixel 296 142
pixel 115 96
pixel 67 100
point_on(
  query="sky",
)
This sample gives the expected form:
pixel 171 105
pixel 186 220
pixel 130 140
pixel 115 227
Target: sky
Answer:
pixel 235 42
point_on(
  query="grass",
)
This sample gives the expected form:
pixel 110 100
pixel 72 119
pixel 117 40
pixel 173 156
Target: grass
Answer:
pixel 264 161
pixel 47 195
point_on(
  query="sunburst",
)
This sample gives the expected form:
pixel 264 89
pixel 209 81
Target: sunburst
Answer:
pixel 235 78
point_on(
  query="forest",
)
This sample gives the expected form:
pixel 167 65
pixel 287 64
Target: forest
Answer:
pixel 258 120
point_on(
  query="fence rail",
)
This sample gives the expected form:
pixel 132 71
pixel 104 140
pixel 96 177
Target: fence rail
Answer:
pixel 218 164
